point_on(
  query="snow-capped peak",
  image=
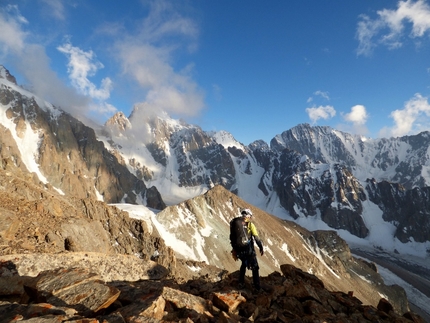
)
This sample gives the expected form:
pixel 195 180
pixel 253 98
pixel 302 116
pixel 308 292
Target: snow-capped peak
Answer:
pixel 4 74
pixel 226 139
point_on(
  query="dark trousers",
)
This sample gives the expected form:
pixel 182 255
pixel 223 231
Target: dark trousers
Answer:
pixel 250 262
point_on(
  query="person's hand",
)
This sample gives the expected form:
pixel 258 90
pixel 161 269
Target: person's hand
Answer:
pixel 261 251
pixel 234 255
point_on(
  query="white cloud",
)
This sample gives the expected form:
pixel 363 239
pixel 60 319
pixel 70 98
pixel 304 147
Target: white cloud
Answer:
pixel 103 108
pixel 147 57
pixel 33 64
pixel 81 66
pixel 12 36
pixel 358 115
pixel 413 118
pixel 163 21
pixel 390 26
pixel 321 112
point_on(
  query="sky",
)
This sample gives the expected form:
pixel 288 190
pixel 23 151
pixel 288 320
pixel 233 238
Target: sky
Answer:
pixel 252 68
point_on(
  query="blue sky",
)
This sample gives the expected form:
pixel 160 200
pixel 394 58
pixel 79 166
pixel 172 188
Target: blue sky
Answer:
pixel 252 68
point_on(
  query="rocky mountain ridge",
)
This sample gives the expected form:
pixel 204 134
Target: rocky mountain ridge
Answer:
pixel 402 160
pixel 153 160
pixel 306 172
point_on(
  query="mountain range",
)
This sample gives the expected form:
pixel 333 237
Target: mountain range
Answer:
pixel 309 174
pixel 191 182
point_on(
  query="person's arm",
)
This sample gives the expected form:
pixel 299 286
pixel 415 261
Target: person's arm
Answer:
pixel 254 233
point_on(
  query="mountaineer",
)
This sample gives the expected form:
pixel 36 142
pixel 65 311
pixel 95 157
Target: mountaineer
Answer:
pixel 243 233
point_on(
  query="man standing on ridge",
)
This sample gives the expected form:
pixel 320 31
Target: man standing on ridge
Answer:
pixel 246 253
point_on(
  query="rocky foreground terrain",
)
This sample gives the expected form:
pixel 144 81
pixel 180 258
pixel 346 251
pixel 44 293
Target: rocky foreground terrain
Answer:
pixel 77 295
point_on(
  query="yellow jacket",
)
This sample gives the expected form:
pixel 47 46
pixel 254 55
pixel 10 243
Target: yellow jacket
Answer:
pixel 252 229
pixel 253 233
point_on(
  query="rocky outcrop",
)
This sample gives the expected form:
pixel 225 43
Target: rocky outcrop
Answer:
pixel 80 296
pixel 118 123
pixel 4 73
pixel 34 218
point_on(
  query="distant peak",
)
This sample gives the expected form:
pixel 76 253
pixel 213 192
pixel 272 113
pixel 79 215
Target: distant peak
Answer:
pixel 4 73
pixel 120 121
pixel 226 139
pixel 259 144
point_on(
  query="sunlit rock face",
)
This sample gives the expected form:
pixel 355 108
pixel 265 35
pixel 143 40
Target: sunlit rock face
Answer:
pixel 66 153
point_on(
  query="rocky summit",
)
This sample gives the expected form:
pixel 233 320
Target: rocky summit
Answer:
pixel 77 295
